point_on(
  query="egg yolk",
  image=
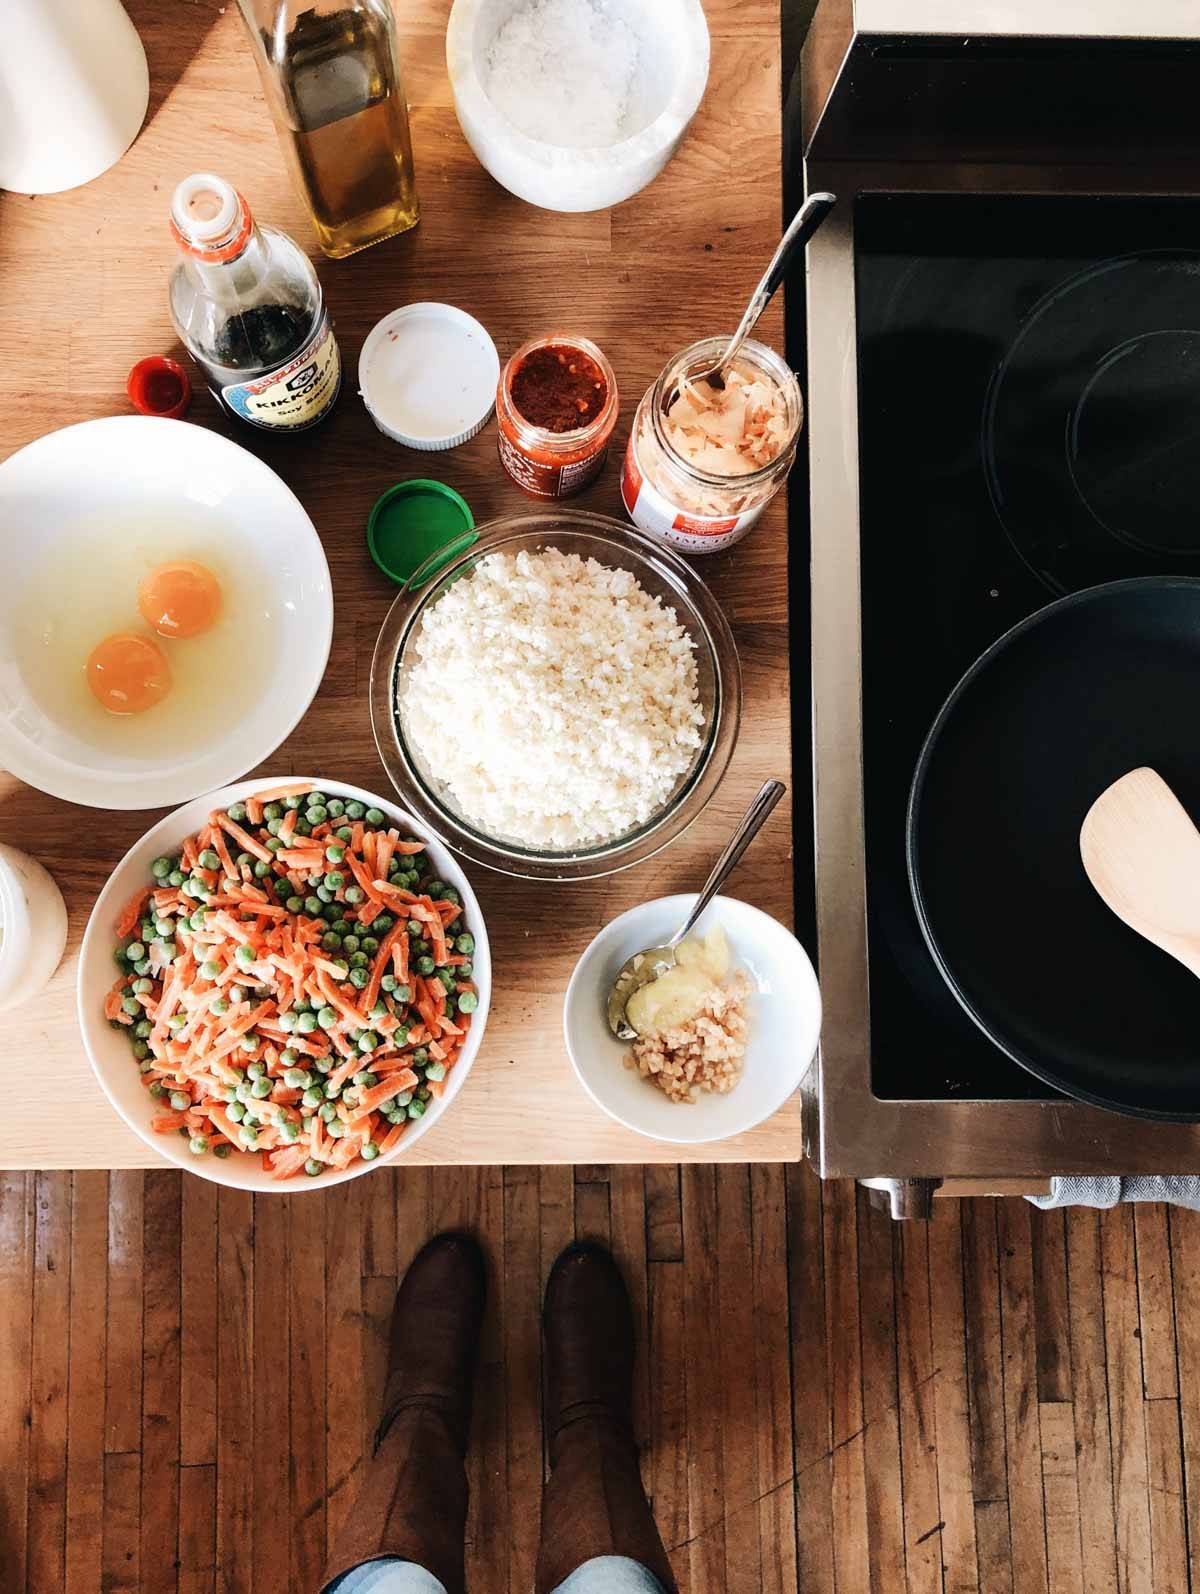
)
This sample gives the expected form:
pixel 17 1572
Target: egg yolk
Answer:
pixel 128 673
pixel 180 599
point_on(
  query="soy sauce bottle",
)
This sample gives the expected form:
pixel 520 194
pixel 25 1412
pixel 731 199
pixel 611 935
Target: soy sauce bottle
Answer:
pixel 246 302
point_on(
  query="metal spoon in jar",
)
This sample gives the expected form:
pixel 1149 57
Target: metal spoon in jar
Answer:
pixel 805 222
pixel 645 966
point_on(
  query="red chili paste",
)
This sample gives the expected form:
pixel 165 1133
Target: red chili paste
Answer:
pixel 558 388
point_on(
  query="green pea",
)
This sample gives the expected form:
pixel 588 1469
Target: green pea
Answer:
pixel 416 1109
pixel 332 911
pixel 335 880
pixel 435 889
pixel 370 944
pixel 374 816
pixel 355 809
pixel 236 1111
pixel 160 868
pixel 389 982
pixel 313 1096
pixel 335 1128
pixel 317 797
pixel 369 1152
pixel 293 802
pixel 243 860
pixel 327 1112
pixel 168 950
pixel 273 811
pixel 383 922
pixel 464 943
pixel 175 878
pixel 157 1090
pixel 324 896
pixel 303 828
pixel 289 1130
pixel 294 904
pixel 297 1078
pixel 436 1071
pixel 180 1100
pixel 317 813
pixel 135 951
pixel 222 1149
pixel 451 895
pixel 261 1088
pixel 142 1028
pixel 220 1004
pixel 209 860
pixel 350 942
pixel 353 894
pixel 467 1002
pixel 144 967
pixel 244 955
pixel 334 852
pixel 163 926
pixel 255 1070
pixel 359 978
pixel 306 1023
pixel 198 1145
pixel 368 1041
pixel 312 1167
pixel 236 812
pixel 312 906
pixel 286 1022
pixel 327 1017
pixel 131 1005
pixel 140 1050
pixel 420 1057
pixel 247 1137
pixel 379 1010
pixel 323 1065
pixel 425 965
pixel 466 970
pixel 261 869
pixel 331 941
pixel 344 833
pixel 288 1057
pixel 209 969
pixel 414 928
pixel 335 806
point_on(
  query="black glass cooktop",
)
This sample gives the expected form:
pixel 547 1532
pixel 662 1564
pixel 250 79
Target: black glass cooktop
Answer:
pixel 1029 423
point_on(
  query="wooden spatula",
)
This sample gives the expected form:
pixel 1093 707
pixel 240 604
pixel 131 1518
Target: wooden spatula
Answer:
pixel 1142 854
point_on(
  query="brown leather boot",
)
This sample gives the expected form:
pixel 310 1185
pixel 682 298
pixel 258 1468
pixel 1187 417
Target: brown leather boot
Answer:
pixel 594 1503
pixel 413 1501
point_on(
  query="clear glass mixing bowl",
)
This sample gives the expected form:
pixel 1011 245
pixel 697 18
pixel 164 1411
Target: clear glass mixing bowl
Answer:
pixel 661 573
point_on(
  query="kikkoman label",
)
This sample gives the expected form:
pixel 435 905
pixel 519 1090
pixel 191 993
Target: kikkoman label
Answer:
pixel 298 393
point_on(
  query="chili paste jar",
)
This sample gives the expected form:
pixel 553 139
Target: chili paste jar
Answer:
pixel 556 406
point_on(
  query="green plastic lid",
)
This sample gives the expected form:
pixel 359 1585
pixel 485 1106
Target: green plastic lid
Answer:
pixel 413 522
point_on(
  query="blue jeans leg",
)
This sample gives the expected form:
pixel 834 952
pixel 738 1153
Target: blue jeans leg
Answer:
pixel 607 1574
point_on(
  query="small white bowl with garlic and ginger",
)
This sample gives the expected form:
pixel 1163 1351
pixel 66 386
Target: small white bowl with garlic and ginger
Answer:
pixel 667 85
pixel 783 1014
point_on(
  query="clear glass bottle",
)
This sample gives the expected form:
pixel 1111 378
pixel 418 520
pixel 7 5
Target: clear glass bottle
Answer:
pixel 692 510
pixel 246 302
pixel 333 84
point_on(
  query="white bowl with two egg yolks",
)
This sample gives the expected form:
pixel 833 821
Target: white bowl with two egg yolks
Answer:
pixel 166 615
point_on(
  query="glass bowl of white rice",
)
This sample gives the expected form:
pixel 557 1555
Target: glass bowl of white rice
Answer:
pixel 561 700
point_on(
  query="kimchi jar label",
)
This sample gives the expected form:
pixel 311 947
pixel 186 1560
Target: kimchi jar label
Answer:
pixel 651 512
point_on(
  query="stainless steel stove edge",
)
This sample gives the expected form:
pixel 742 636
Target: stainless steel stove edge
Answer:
pixel 848 1131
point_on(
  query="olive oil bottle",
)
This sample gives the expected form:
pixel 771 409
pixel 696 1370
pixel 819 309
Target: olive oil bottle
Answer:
pixel 332 80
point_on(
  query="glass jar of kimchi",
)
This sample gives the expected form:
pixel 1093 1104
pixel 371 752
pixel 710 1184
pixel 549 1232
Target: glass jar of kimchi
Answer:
pixel 701 465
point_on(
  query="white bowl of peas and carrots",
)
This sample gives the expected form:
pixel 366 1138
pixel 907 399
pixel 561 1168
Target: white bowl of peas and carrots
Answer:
pixel 284 984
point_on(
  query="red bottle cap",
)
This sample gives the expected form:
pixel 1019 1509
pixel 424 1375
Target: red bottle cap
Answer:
pixel 158 385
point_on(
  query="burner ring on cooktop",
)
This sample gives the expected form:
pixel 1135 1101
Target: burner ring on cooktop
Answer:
pixel 1091 431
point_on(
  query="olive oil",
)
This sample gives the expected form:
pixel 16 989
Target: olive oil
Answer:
pixel 334 86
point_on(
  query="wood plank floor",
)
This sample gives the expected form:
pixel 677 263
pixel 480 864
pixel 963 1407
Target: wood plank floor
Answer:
pixel 1003 1400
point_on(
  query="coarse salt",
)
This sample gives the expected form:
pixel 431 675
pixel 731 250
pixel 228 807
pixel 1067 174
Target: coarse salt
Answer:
pixel 563 72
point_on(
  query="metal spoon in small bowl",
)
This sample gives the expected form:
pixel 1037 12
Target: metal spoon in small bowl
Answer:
pixel 804 223
pixel 645 966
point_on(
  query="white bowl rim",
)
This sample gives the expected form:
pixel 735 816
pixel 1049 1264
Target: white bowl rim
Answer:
pixel 99 929
pixel 137 789
pixel 681 903
pixel 667 127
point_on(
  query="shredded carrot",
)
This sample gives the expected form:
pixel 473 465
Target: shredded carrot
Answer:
pixel 234 992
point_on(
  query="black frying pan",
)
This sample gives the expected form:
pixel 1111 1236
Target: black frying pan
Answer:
pixel 1084 690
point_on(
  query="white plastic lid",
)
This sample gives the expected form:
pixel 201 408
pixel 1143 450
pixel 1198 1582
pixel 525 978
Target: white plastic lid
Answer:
pixel 428 375
pixel 205 207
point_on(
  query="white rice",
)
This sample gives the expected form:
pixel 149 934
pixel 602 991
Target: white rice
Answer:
pixel 554 698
